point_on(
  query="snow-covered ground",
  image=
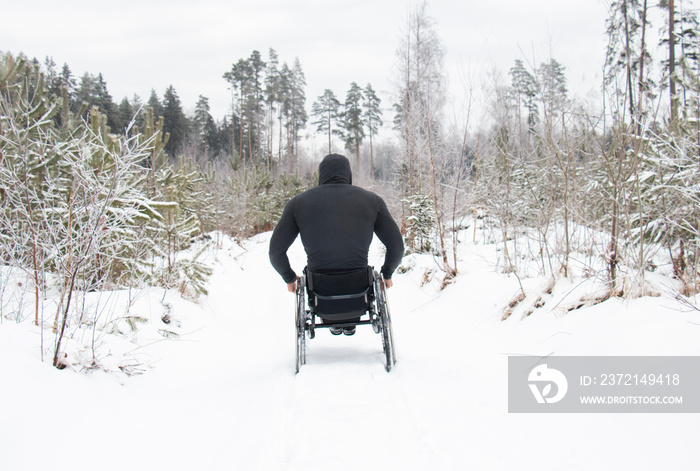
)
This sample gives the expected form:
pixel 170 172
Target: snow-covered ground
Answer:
pixel 223 395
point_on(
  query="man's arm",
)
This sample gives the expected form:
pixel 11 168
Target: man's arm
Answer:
pixel 388 232
pixel 282 238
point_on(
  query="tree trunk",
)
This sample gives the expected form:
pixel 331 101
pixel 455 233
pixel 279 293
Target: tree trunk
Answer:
pixel 330 129
pixel 476 177
pixel 672 62
pixel 628 58
pixel 34 255
pixel 641 70
pixel 371 157
pixel 250 138
pixel 357 148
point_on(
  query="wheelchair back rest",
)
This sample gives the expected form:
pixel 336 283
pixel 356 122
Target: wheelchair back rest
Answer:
pixel 340 292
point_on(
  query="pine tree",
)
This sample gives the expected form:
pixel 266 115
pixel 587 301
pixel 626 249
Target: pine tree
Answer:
pixel 221 139
pixel 85 93
pixel 254 105
pixel 176 123
pixel 688 35
pixel 373 119
pixel 154 135
pixel 205 128
pixel 53 82
pixel 420 224
pixel 238 77
pixel 326 110
pixel 628 59
pixel 284 113
pixel 258 89
pixel 68 82
pixel 106 104
pixel 297 108
pixel 682 66
pixel 273 98
pixel 246 79
pixel 552 88
pixel 139 108
pixel 126 113
pixel 92 92
pixel 524 93
pixel 155 104
pixel 353 122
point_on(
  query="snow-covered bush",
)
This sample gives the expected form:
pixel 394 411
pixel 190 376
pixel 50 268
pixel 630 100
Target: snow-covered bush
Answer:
pixel 667 205
pixel 83 210
pixel 420 223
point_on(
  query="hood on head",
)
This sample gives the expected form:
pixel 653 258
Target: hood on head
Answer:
pixel 334 168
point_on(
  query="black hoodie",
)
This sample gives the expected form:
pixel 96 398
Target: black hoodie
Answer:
pixel 336 221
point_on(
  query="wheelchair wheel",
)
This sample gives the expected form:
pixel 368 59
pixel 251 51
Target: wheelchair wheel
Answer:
pixel 300 317
pixel 385 324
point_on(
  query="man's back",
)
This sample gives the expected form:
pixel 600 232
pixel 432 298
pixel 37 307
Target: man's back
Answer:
pixel 336 224
pixel 336 221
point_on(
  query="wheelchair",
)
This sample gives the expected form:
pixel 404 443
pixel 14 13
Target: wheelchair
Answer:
pixel 342 299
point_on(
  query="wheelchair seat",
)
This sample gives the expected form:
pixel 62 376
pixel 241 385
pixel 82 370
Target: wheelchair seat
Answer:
pixel 338 295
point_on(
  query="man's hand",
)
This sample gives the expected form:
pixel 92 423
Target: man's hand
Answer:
pixel 388 283
pixel 292 287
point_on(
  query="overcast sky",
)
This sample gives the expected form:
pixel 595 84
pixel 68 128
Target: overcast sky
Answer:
pixel 139 45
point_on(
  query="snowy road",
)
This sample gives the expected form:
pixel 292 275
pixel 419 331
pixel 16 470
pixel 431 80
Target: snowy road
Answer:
pixel 225 397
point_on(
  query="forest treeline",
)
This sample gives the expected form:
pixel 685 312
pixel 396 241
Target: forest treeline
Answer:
pixel 268 111
pixel 97 195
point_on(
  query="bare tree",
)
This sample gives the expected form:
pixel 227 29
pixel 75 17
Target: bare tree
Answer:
pixel 419 113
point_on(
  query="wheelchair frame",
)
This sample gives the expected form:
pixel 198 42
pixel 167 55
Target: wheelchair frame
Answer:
pixel 379 319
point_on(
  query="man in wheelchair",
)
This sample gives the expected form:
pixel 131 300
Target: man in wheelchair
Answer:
pixel 336 221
